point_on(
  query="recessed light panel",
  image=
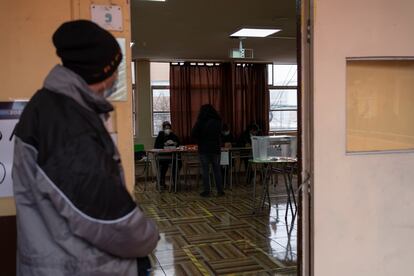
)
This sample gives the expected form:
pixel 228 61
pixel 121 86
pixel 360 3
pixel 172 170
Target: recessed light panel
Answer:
pixel 250 32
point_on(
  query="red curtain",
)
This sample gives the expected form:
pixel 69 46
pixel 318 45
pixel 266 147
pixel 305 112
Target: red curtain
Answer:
pixel 245 99
pixel 191 86
pixel 239 92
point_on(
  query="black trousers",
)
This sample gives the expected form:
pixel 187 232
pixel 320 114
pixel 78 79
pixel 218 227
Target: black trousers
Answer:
pixel 214 159
pixel 164 164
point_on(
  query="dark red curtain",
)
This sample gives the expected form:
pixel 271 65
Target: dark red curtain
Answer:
pixel 245 97
pixel 191 86
pixel 239 92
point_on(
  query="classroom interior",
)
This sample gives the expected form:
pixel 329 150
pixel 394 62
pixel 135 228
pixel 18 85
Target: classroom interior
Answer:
pixel 217 235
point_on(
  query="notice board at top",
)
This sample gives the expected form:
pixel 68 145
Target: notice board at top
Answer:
pixel 379 105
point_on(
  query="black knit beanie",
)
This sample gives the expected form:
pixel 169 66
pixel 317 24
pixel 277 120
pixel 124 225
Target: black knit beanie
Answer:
pixel 87 49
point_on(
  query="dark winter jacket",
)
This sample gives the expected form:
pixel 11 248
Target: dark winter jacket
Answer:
pixel 161 140
pixel 207 133
pixel 74 214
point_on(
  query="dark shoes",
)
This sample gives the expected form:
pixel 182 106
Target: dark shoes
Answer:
pixel 220 193
pixel 205 194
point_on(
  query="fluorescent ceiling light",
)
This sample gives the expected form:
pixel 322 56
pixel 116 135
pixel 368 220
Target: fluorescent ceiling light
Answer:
pixel 154 0
pixel 246 32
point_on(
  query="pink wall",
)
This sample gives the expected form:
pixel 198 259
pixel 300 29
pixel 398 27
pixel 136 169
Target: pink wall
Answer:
pixel 364 204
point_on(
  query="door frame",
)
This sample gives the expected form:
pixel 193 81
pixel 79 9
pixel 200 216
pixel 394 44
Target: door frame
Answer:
pixel 305 136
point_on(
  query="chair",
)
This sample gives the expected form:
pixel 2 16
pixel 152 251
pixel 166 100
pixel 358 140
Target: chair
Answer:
pixel 141 160
pixel 191 162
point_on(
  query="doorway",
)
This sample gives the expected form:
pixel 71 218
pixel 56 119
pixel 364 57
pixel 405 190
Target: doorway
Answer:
pixel 169 31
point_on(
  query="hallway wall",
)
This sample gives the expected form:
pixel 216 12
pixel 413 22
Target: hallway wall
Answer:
pixel 27 55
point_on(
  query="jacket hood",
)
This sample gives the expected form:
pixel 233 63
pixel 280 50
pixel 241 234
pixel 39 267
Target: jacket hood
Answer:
pixel 66 82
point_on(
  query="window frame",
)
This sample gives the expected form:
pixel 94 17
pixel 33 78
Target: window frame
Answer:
pixel 280 87
pixel 277 87
pixel 158 87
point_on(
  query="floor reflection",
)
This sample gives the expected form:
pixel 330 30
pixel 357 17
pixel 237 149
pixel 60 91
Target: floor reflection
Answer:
pixel 221 235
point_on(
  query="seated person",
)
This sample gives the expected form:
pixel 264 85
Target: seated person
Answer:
pixel 166 138
pixel 227 139
pixel 245 139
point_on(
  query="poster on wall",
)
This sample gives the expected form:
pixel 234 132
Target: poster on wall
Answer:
pixel 9 116
pixel 121 93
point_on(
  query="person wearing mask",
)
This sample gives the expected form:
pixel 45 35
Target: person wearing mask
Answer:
pixel 74 213
pixel 245 139
pixel 207 133
pixel 166 139
pixel 227 138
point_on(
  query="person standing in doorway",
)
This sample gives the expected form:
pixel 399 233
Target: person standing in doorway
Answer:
pixel 207 133
pixel 74 213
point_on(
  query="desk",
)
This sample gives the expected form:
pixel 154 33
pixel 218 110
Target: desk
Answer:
pixel 174 153
pixel 175 158
pixel 265 173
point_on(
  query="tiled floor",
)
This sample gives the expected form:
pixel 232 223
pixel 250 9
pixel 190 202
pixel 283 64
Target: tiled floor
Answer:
pixel 221 235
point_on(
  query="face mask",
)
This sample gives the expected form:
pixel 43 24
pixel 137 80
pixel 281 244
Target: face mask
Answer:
pixel 225 133
pixel 110 90
pixel 167 131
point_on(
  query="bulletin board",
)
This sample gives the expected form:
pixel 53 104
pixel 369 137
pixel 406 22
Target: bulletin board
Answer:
pixel 9 116
pixel 379 105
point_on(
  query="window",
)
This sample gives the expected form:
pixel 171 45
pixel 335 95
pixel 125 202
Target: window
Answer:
pixel 282 97
pixel 160 90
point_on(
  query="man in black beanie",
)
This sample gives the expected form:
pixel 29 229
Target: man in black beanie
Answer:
pixel 74 214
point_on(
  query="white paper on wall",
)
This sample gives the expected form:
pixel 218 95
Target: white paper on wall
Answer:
pixel 121 93
pixel 9 116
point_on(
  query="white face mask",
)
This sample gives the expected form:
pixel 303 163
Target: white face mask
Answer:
pixel 167 131
pixel 110 90
pixel 225 133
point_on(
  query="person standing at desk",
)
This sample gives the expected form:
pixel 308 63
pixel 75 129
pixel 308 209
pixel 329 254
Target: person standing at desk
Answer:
pixel 207 131
pixel 166 139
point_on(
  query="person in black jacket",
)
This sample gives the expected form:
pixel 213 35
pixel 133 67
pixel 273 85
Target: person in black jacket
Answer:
pixel 165 139
pixel 74 213
pixel 207 131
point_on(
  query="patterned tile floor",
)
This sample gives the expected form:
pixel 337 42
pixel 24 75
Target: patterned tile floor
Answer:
pixel 221 235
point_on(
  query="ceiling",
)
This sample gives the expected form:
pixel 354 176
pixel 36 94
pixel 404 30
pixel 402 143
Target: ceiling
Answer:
pixel 200 29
